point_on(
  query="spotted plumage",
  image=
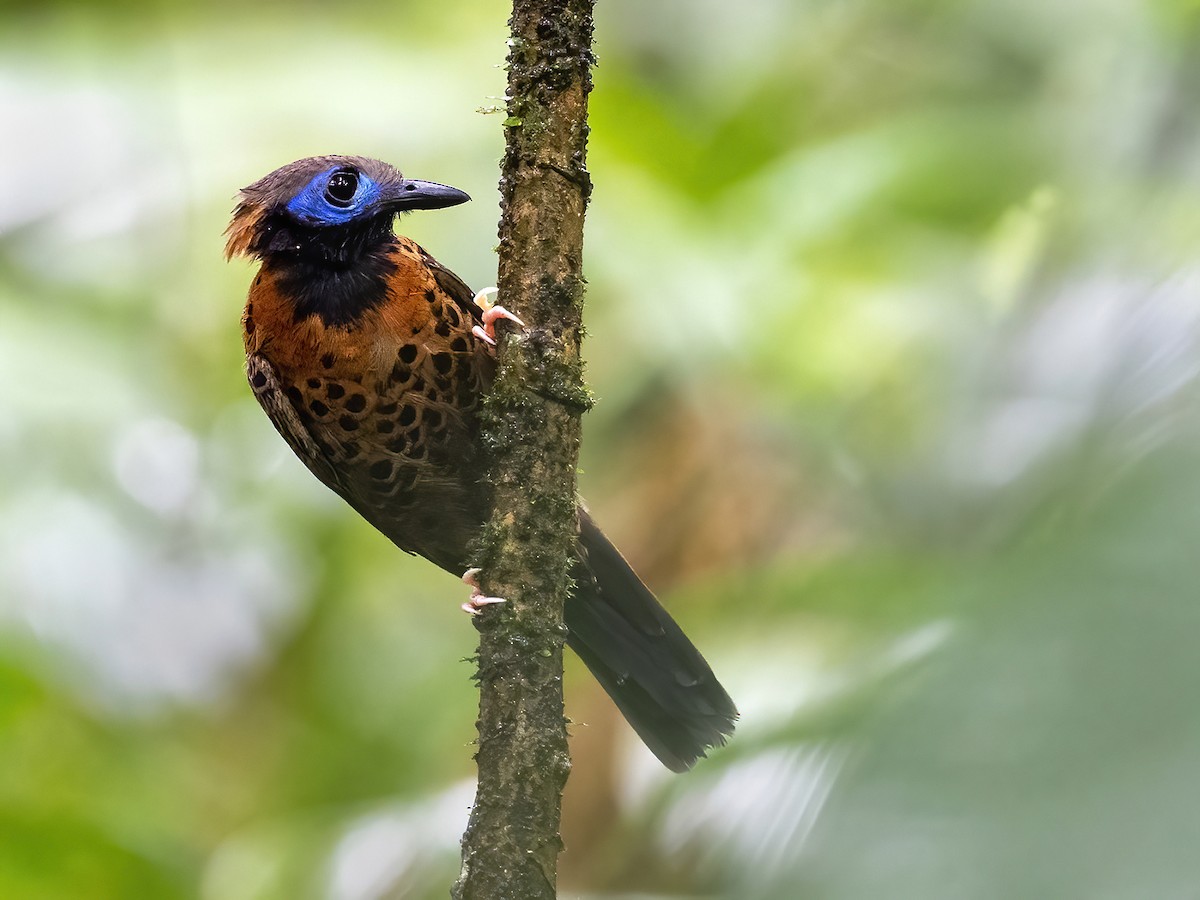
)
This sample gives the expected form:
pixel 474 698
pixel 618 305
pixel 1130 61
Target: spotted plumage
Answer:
pixel 380 406
pixel 371 360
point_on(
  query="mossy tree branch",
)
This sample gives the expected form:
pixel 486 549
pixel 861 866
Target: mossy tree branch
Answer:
pixel 532 430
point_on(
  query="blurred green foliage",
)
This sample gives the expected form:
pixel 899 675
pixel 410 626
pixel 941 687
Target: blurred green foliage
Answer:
pixel 894 318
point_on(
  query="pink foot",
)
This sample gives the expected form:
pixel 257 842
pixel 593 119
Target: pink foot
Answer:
pixel 478 602
pixel 491 315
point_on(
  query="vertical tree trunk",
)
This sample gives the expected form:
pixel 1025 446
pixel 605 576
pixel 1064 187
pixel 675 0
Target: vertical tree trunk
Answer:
pixel 532 428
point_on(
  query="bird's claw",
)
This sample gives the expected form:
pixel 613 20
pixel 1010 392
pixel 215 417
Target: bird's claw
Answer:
pixel 491 315
pixel 477 602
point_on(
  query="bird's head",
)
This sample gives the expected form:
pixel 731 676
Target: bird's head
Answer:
pixel 328 209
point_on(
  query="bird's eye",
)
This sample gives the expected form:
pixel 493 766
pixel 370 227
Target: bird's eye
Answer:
pixel 341 188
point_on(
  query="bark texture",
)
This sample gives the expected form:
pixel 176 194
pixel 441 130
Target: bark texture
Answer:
pixel 532 430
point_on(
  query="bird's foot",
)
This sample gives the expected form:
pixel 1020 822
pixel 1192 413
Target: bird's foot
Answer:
pixel 491 315
pixel 478 602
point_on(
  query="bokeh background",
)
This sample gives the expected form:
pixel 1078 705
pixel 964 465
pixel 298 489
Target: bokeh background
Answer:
pixel 894 322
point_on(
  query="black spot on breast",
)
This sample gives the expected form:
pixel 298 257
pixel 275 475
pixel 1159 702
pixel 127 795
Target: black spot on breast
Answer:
pixel 249 325
pixel 335 391
pixel 351 449
pixel 356 403
pixel 452 316
pixel 327 361
pixel 433 418
pixel 386 409
pixel 401 372
pixel 443 362
pixel 431 396
pixel 381 470
pixel 399 445
pixel 314 383
pixel 348 423
pixel 257 280
pixel 419 385
pixel 293 394
pixel 258 380
pixel 408 354
pixel 443 328
pixel 459 344
pixel 430 295
pixel 416 451
pixel 385 426
pixel 436 308
pixel 318 408
pixel 408 415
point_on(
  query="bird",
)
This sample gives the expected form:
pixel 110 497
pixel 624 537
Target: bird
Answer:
pixel 372 360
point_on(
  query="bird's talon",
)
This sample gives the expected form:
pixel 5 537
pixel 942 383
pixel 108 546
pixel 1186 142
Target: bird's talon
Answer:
pixel 491 315
pixel 481 299
pixel 477 602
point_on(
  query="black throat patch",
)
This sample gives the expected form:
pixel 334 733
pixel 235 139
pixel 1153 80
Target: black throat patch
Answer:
pixel 336 272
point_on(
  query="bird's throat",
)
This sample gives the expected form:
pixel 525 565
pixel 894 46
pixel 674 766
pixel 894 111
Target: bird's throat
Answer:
pixel 338 274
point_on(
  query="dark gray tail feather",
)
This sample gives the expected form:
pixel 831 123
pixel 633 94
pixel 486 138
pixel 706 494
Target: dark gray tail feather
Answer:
pixel 654 674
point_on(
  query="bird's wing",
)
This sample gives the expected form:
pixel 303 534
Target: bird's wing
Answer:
pixel 269 391
pixel 454 287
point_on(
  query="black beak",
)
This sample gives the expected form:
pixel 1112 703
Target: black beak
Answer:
pixel 413 194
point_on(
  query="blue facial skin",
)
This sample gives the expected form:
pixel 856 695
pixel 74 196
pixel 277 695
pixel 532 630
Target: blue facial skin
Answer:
pixel 310 207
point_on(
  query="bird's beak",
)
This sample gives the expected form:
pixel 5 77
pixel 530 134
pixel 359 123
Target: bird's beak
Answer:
pixel 412 194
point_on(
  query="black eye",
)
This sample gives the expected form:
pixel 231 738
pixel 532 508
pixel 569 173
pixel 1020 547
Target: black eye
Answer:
pixel 341 188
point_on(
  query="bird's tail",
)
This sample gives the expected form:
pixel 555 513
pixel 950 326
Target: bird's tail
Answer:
pixel 645 662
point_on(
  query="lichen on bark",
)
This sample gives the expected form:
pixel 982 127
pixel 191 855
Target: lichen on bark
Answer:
pixel 531 432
